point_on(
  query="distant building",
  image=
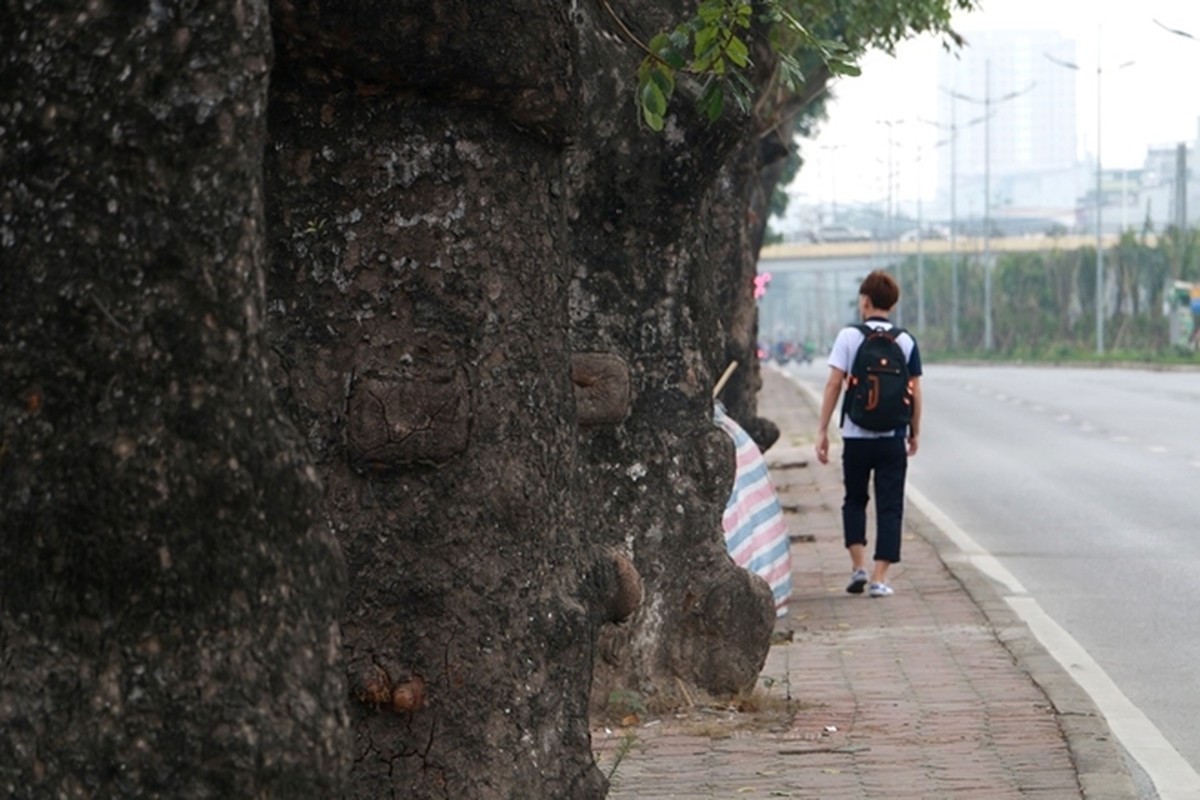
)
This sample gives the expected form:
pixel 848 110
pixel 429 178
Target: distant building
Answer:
pixel 1014 110
pixel 1169 190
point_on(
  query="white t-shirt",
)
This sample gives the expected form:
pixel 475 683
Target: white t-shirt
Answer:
pixel 845 347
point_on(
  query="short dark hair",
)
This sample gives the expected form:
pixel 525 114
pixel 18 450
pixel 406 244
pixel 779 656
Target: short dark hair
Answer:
pixel 881 289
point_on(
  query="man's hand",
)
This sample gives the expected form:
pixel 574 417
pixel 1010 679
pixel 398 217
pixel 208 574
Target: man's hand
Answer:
pixel 912 444
pixel 823 447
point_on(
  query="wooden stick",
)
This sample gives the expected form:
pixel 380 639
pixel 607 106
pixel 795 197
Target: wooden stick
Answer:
pixel 725 377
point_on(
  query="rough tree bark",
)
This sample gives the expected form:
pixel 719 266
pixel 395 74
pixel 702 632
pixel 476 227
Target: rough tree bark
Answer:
pixel 440 175
pixel 649 241
pixel 419 316
pixel 168 593
pixel 753 173
pixel 495 309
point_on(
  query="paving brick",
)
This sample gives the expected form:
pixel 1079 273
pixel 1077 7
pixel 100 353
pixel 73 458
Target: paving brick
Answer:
pixel 926 694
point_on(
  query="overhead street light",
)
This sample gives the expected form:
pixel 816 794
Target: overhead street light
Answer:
pixel 1178 32
pixel 952 140
pixel 1180 179
pixel 1099 194
pixel 988 101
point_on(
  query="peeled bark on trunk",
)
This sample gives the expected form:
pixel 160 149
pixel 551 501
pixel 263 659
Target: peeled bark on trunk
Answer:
pixel 168 592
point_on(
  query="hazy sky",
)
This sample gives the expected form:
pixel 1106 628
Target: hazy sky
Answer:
pixel 1154 101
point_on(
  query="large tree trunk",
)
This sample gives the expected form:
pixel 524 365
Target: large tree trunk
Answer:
pixel 419 305
pixel 753 172
pixel 168 593
pixel 648 244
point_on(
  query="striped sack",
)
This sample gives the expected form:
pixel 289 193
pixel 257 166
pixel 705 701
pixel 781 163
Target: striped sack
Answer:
pixel 755 532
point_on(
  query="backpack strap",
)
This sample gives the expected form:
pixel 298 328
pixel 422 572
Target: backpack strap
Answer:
pixel 866 330
pixel 893 332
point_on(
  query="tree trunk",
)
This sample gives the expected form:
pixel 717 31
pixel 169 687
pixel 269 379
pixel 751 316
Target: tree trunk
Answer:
pixel 419 318
pixel 168 593
pixel 650 238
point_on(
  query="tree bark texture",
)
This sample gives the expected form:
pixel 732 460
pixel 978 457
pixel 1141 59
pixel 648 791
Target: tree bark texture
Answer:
pixel 755 170
pixel 420 322
pixel 494 310
pixel 650 244
pixel 169 593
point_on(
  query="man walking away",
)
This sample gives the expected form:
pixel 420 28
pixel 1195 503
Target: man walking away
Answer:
pixel 877 394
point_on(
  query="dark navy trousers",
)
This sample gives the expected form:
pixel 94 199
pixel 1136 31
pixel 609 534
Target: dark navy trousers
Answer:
pixel 887 460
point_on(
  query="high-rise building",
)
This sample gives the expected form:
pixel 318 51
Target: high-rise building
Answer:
pixel 1014 110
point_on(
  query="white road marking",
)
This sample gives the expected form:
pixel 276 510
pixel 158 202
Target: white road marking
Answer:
pixel 1173 777
pixel 975 555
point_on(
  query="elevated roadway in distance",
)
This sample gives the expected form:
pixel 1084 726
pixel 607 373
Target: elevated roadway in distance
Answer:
pixel 878 254
pixel 814 287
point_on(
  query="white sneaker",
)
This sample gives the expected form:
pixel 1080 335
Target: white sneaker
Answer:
pixel 880 590
pixel 858 581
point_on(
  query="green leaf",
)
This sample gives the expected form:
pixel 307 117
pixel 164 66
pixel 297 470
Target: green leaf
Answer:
pixel 738 52
pixel 711 10
pixel 675 59
pixel 653 100
pixel 838 67
pixel 831 46
pixel 791 73
pixel 706 62
pixel 664 79
pixel 712 101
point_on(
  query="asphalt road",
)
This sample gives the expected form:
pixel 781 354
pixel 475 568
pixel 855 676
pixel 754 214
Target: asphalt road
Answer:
pixel 1084 484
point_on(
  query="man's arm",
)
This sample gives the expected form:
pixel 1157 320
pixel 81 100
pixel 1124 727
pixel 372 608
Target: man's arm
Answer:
pixel 914 427
pixel 829 399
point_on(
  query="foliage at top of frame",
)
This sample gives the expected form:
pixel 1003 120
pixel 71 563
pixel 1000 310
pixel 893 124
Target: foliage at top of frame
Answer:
pixel 713 46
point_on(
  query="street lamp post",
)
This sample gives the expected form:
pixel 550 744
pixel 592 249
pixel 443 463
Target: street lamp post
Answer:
pixel 1099 191
pixel 988 102
pixel 1181 217
pixel 1178 32
pixel 952 140
pixel 889 217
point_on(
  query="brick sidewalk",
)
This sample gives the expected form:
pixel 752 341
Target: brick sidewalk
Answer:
pixel 936 692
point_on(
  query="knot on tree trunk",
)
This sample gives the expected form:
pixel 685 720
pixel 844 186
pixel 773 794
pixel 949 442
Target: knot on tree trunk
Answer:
pixel 373 686
pixel 627 597
pixel 603 393
pixel 397 422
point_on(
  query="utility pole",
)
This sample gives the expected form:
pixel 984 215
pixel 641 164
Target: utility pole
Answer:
pixel 988 103
pixel 889 218
pixel 954 223
pixel 1100 293
pixel 987 210
pixel 920 249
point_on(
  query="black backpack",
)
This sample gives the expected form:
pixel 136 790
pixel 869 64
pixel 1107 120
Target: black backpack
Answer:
pixel 879 393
